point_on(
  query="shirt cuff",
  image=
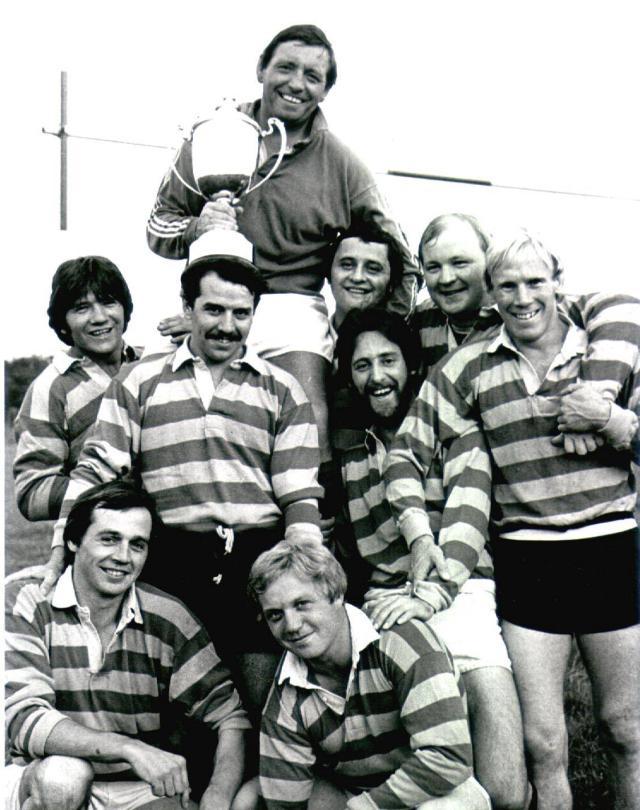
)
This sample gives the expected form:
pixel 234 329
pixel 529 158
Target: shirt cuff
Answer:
pixel 362 802
pixel 303 531
pixel 57 540
pixel 433 595
pixel 41 730
pixel 414 523
pixel 621 427
pixel 237 723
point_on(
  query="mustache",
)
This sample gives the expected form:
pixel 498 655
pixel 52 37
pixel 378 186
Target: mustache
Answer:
pixel 217 334
pixel 371 389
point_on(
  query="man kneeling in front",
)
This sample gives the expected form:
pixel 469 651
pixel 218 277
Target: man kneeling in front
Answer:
pixel 356 718
pixel 91 667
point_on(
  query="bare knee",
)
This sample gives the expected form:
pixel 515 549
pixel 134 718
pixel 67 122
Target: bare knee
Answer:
pixel 547 746
pixel 620 731
pixel 59 783
pixel 496 732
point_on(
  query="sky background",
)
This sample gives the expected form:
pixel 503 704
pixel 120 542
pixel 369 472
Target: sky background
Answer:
pixel 538 95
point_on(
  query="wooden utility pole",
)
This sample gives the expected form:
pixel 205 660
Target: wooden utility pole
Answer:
pixel 64 136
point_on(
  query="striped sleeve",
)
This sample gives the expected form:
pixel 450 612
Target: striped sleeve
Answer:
pixel 110 450
pixel 294 462
pixel 286 756
pixel 612 323
pixel 199 682
pixel 30 700
pixel 172 223
pixel 41 463
pixel 442 414
pixel 433 714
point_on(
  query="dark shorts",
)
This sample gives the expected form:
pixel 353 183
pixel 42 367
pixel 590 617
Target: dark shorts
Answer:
pixel 569 586
pixel 194 567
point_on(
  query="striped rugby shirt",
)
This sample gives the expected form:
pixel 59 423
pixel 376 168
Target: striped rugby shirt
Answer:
pixel 377 537
pixel 535 483
pixel 54 419
pixel 611 320
pixel 240 454
pixel 398 738
pixel 436 335
pixel 56 669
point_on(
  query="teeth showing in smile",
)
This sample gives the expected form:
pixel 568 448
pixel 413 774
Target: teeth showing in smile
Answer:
pixel 291 99
pixel 100 332
pixel 525 316
pixel 115 573
pixel 381 392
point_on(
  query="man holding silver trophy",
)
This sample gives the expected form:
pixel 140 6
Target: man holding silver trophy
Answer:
pixel 315 189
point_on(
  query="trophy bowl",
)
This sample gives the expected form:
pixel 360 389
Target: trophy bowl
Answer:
pixel 225 150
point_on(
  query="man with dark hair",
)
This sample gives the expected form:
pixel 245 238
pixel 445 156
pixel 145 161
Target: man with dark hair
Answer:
pixel 319 189
pixel 380 355
pixel 93 667
pixel 356 718
pixel 365 269
pixel 226 445
pixel 89 309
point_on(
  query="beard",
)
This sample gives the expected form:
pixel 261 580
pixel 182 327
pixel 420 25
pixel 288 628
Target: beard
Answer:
pixel 393 420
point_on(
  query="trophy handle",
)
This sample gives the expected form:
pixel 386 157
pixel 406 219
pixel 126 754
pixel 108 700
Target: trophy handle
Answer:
pixel 174 169
pixel 283 148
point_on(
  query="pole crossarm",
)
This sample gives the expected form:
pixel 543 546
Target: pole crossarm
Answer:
pixel 64 132
pixel 468 181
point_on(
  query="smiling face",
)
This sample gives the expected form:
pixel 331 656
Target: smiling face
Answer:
pixel 303 620
pixel 360 275
pixel 454 264
pixel 111 555
pixel 525 293
pixel 294 82
pixel 380 375
pixel 221 317
pixel 96 327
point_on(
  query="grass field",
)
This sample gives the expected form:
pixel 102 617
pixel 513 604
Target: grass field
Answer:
pixel 28 544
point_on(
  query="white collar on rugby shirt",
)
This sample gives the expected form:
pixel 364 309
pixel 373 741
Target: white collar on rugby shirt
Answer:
pixel 64 596
pixel 295 670
pixel 184 354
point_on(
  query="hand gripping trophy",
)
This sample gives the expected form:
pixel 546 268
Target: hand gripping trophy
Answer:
pixel 225 153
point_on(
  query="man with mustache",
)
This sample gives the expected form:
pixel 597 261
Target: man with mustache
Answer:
pixel 379 354
pixel 319 189
pixel 365 269
pixel 227 446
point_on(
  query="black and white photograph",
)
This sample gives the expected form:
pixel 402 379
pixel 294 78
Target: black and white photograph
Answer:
pixel 322 406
